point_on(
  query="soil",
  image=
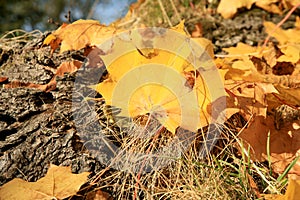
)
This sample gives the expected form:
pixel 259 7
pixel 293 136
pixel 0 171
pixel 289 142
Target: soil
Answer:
pixel 37 128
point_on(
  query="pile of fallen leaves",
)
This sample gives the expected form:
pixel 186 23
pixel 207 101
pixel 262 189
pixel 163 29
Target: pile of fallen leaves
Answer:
pixel 261 83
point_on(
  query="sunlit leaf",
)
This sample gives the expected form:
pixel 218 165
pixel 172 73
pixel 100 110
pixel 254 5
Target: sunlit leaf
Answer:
pixel 59 183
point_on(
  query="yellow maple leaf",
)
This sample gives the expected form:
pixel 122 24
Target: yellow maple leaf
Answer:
pixel 152 98
pixel 283 36
pixel 291 53
pixel 157 82
pixel 241 50
pixel 228 8
pixel 59 183
pixel 269 5
pixel 292 192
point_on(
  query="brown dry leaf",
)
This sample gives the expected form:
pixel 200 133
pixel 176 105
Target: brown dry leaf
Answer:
pixel 297 23
pixel 241 50
pixel 198 31
pixel 293 190
pixel 228 8
pixel 52 40
pixel 292 3
pixel 68 67
pixel 97 195
pixel 239 64
pixel 3 79
pixel 249 98
pixel 284 143
pixel 291 96
pixel 100 195
pixel 93 55
pixel 17 84
pixel 59 183
pixel 65 67
pixel 249 64
pixel 79 34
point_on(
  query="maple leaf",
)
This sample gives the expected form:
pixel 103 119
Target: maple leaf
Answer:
pixel 59 183
pixel 227 8
pixel 292 192
pixel 249 98
pixel 284 139
pixel 79 34
pixel 269 5
pixel 181 93
pixel 152 99
pixel 283 36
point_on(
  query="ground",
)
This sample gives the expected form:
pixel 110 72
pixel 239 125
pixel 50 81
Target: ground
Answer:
pixel 37 127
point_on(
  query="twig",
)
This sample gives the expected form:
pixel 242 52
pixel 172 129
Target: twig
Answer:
pixel 175 10
pixel 68 16
pixel 278 25
pixel 164 13
pixel 92 10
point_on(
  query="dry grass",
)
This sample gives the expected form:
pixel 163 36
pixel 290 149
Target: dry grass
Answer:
pixel 11 38
pixel 227 172
pixel 222 174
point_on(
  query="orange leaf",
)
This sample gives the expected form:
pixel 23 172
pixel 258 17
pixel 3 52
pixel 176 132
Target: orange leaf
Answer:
pixel 68 67
pixel 3 79
pixel 79 34
pixel 65 67
pixel 284 143
pixel 292 192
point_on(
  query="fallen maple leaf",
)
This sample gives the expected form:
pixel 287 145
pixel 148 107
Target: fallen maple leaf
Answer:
pixel 284 143
pixel 79 34
pixel 153 99
pixel 292 192
pixel 228 8
pixel 269 5
pixel 249 98
pixel 59 183
pixel 283 36
pixel 291 53
pixel 175 93
pixel 290 95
